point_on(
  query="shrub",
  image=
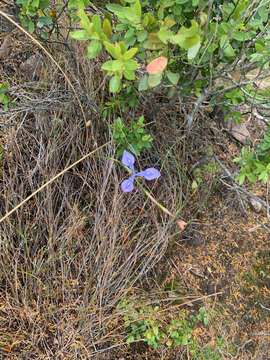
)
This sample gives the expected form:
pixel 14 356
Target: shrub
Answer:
pixel 198 52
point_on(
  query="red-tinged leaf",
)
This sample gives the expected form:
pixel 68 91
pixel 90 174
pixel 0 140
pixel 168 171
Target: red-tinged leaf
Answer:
pixel 181 224
pixel 157 66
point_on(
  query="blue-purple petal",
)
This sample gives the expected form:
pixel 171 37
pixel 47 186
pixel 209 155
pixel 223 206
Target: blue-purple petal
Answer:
pixel 149 174
pixel 128 159
pixel 127 185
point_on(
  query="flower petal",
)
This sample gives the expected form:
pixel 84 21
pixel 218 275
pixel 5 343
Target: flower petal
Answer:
pixel 149 174
pixel 128 159
pixel 127 185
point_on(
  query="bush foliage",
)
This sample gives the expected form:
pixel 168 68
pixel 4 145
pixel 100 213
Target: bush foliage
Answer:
pixel 198 53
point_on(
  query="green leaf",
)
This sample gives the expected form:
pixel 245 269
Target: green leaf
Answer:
pixel 142 35
pixel 44 34
pixel 154 80
pixel 130 15
pixel 43 4
pixel 84 20
pixel 35 3
pixel 241 178
pixel 251 177
pixel 130 53
pixel 187 37
pixel 44 20
pixel 113 50
pixel 107 28
pixel 96 21
pixel 114 8
pixel 131 64
pixel 123 47
pixel 112 65
pixel 138 9
pixel 227 48
pixel 31 26
pixel 130 339
pixel 238 35
pixel 129 74
pixel 94 49
pixel 189 32
pixel 185 42
pixel 115 83
pixel 193 51
pixel 264 177
pixel 169 22
pixel 143 84
pixel 153 42
pixel 80 35
pixel 229 51
pixel 173 77
pixel 164 34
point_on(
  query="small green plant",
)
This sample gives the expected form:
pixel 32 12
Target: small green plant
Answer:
pixel 125 100
pixel 144 323
pixel 4 96
pixel 148 324
pixel 39 14
pixel 132 138
pixel 197 178
pixel 255 165
pixel 201 174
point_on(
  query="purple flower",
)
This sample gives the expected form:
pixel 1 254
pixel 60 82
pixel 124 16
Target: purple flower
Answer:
pixel 149 174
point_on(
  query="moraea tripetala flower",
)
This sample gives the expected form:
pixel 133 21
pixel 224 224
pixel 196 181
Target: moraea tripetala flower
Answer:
pixel 149 174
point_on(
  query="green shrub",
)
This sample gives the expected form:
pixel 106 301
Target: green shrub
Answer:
pixel 197 52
